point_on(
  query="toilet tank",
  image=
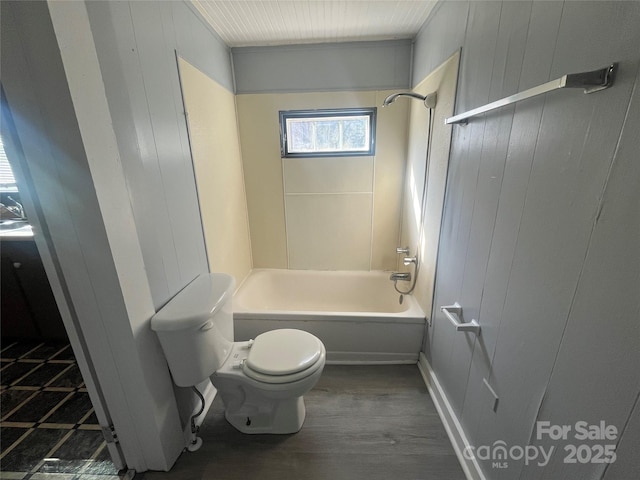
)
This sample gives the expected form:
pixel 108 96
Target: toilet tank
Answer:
pixel 195 328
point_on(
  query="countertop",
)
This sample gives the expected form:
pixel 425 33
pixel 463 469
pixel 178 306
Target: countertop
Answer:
pixel 15 231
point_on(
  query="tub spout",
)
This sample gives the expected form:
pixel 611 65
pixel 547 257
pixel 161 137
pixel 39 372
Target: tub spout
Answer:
pixel 395 276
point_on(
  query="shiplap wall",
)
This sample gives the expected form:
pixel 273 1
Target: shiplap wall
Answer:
pixel 71 175
pixel 541 229
pixel 136 44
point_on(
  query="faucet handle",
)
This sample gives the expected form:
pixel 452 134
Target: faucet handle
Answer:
pixel 410 260
pixel 402 251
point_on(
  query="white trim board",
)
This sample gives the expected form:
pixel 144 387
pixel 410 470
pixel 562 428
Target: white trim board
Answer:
pixel 449 419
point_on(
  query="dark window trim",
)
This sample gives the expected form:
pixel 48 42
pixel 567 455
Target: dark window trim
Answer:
pixel 371 112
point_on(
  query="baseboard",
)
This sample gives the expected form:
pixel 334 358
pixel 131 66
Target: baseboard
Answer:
pixel 371 358
pixel 449 419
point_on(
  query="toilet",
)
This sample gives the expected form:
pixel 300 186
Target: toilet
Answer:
pixel 261 381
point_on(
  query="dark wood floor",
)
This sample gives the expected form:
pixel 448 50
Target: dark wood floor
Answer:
pixel 363 422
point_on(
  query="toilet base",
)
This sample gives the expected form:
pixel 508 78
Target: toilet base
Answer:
pixel 279 417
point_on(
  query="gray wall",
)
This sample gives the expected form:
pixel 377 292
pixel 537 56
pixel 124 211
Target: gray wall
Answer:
pixel 323 67
pixel 540 236
pixel 136 44
pixel 84 236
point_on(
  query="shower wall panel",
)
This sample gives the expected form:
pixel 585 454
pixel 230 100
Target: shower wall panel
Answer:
pixel 335 213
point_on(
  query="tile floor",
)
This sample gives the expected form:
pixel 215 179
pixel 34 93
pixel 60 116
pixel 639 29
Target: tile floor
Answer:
pixel 48 429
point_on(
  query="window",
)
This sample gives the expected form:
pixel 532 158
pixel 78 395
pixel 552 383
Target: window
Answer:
pixel 328 133
pixel 7 181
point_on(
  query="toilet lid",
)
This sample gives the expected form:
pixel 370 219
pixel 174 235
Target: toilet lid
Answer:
pixel 283 352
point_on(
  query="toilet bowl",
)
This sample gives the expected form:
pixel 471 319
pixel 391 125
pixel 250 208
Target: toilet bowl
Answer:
pixel 262 381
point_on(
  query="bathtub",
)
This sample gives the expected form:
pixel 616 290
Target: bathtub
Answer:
pixel 357 315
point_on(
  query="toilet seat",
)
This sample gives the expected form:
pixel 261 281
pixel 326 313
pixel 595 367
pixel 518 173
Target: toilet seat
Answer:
pixel 283 356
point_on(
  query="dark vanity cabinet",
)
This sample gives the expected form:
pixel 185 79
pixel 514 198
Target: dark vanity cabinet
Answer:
pixel 28 310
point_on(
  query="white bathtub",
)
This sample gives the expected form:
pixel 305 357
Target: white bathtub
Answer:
pixel 357 315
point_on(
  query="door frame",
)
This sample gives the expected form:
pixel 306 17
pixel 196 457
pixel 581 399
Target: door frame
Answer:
pixel 42 239
pixel 70 176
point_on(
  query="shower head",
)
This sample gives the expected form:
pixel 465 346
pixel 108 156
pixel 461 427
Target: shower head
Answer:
pixel 429 100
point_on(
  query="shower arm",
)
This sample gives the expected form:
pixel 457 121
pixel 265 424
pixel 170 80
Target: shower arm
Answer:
pixel 429 100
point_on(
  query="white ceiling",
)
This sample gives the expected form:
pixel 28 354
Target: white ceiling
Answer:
pixel 243 23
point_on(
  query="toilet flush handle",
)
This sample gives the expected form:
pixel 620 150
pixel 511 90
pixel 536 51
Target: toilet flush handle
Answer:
pixel 207 326
pixel 238 364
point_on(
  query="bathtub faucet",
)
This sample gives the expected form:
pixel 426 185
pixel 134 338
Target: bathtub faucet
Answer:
pixel 395 276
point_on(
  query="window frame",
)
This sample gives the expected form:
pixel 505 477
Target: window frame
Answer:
pixel 6 172
pixel 371 112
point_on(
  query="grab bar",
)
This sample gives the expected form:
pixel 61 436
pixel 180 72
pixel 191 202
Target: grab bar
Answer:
pixel 590 81
pixel 453 313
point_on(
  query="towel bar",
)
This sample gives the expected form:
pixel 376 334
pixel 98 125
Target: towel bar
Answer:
pixel 453 313
pixel 590 81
